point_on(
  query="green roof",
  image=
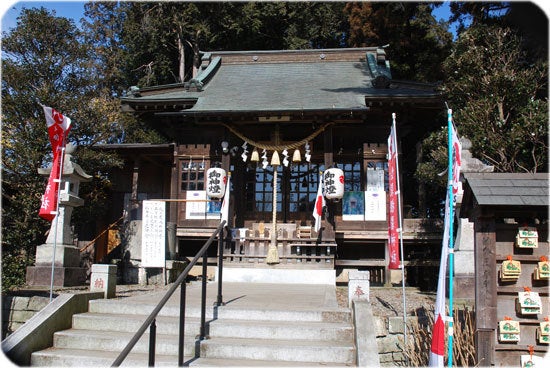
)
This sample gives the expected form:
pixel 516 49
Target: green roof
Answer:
pixel 282 84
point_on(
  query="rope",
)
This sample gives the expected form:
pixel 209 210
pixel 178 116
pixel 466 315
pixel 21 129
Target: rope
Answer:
pixel 270 147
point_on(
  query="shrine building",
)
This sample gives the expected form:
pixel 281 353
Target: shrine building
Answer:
pixel 275 122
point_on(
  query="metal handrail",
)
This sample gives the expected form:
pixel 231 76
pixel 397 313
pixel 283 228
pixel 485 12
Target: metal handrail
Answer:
pixel 151 319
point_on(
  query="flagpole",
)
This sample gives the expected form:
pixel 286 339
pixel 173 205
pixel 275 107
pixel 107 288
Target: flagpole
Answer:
pixel 451 242
pixel 400 230
pixel 57 213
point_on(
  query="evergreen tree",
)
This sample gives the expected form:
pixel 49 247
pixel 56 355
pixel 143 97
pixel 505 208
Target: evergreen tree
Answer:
pixel 496 85
pixel 44 61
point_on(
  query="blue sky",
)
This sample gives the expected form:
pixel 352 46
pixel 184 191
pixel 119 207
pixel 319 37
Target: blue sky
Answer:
pixel 10 10
pixel 74 9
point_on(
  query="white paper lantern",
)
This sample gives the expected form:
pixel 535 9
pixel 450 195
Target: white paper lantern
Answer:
pixel 334 183
pixel 216 179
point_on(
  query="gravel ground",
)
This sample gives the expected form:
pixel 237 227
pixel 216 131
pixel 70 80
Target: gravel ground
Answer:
pixel 388 301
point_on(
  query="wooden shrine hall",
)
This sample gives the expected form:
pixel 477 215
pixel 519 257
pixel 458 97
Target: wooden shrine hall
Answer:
pixel 274 121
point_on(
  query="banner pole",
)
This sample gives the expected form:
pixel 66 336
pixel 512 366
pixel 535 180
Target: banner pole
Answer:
pixel 451 242
pixel 57 214
pixel 400 235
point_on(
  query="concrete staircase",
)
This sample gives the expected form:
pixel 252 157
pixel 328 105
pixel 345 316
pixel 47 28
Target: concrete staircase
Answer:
pixel 261 325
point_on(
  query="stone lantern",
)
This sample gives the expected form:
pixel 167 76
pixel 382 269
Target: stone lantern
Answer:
pixel 67 270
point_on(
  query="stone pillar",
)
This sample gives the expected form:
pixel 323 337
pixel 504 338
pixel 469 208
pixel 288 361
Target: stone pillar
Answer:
pixel 67 270
pixel 464 278
pixel 358 286
pixel 103 279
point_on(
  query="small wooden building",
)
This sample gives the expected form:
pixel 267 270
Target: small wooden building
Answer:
pixel 317 109
pixel 510 216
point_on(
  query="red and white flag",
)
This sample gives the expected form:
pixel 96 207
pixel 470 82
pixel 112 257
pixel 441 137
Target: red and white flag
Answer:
pixel 457 159
pixel 225 202
pixel 58 128
pixel 393 215
pixel 437 350
pixel 319 204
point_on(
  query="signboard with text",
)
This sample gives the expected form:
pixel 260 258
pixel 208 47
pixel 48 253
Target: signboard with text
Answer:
pixel 153 232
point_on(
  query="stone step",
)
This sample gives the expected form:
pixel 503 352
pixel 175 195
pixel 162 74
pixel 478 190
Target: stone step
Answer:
pixel 224 312
pixel 116 341
pixel 132 322
pixel 55 357
pixel 327 352
pixel 261 326
pixel 219 328
pixel 214 362
pixel 281 330
pixel 290 315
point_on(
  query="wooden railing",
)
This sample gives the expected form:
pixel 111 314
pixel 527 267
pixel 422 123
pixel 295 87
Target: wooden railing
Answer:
pixel 292 250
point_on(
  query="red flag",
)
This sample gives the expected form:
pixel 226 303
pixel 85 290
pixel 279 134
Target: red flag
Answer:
pixel 48 207
pixel 319 204
pixel 58 128
pixel 393 219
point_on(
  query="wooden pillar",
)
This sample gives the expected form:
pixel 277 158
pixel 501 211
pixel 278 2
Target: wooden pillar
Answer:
pixel 134 202
pixel 328 223
pixel 485 289
pixel 174 190
pixel 329 151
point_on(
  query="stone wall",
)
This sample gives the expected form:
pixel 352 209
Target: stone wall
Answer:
pixel 17 309
pixel 390 337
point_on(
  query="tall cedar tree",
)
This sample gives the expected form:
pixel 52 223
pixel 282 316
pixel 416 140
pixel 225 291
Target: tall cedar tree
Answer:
pixel 417 42
pixel 161 41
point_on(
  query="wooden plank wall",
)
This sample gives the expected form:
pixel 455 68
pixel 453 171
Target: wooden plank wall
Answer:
pixel 496 299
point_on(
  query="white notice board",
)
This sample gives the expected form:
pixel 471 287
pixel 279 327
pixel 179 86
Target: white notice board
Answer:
pixel 153 234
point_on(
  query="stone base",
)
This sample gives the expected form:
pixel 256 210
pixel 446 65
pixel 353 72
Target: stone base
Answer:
pixel 464 286
pixel 278 276
pixel 133 273
pixel 63 276
pixel 65 255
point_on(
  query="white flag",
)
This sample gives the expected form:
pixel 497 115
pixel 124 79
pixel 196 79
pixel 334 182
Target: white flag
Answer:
pixel 225 203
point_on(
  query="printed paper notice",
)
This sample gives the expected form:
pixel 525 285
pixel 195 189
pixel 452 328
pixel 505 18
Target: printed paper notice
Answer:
pixel 153 234
pixel 375 205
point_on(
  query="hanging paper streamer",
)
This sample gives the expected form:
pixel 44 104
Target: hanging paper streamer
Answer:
pixel 285 157
pixel 245 151
pixel 307 154
pixel 264 159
